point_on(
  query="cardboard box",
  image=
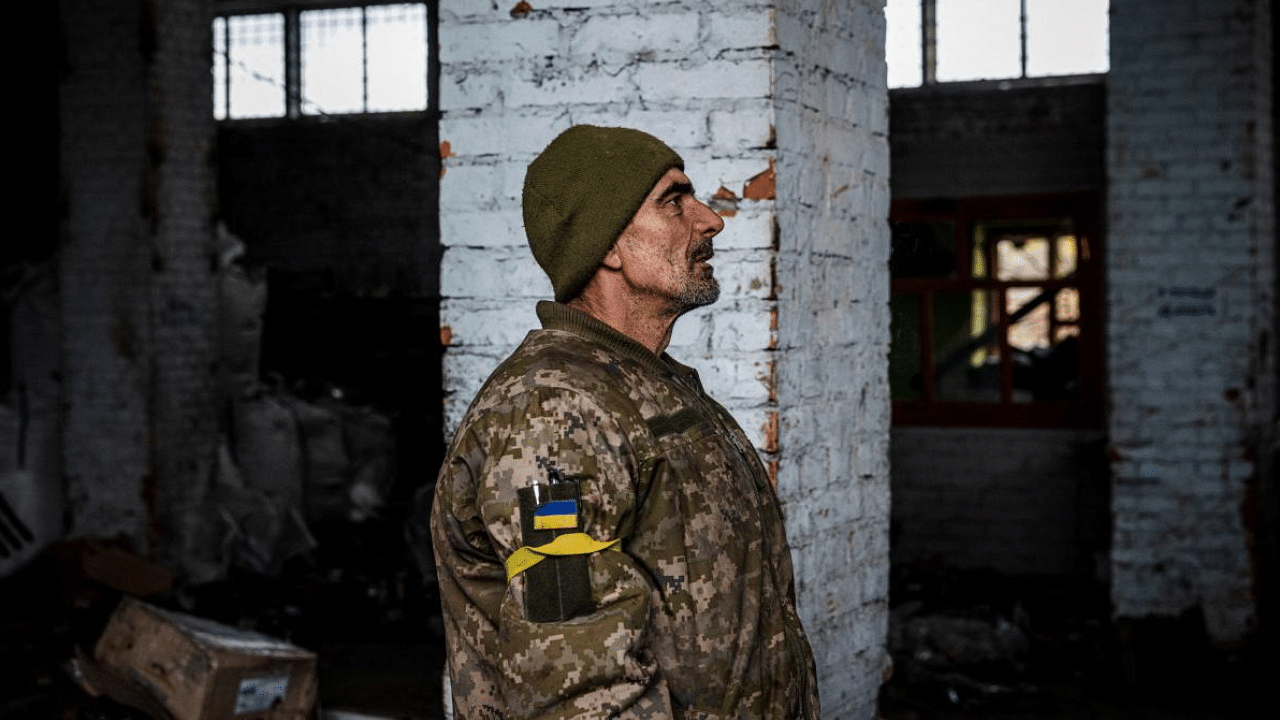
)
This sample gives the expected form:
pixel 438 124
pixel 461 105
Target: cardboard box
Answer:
pixel 196 669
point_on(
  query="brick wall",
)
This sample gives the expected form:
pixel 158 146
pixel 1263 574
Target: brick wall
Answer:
pixel 104 265
pixel 184 303
pixel 1024 502
pixel 796 346
pixel 833 335
pixel 1191 272
pixel 136 272
pixel 967 139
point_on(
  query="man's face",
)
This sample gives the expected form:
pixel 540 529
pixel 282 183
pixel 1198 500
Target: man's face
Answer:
pixel 667 245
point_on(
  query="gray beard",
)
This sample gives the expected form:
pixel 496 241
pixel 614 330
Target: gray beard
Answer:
pixel 698 294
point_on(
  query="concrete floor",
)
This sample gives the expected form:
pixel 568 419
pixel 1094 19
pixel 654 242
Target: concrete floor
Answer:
pixel 380 654
pixel 373 626
pixel 969 645
pixel 1235 689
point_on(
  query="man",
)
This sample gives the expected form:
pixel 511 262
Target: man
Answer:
pixel 607 541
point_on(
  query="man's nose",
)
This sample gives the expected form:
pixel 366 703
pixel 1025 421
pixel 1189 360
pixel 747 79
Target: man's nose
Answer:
pixel 710 222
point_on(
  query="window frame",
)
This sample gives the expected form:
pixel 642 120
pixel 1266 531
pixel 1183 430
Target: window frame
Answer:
pixel 292 10
pixel 927 43
pixel 1084 411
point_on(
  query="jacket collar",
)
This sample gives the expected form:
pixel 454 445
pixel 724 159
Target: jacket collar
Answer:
pixel 558 316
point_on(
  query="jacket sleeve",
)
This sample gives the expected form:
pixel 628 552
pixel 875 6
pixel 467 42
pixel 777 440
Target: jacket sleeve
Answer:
pixel 598 664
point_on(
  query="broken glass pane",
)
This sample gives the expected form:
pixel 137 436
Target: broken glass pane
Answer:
pixel 1066 306
pixel 1020 257
pixel 1065 259
pixel 1045 356
pixel 1030 305
pixel 966 357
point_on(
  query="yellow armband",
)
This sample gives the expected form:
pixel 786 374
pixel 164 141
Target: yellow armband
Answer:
pixel 567 544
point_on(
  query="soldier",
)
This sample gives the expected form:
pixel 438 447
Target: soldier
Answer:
pixel 607 541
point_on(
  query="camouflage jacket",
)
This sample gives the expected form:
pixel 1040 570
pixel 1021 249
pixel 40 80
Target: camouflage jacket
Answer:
pixel 693 618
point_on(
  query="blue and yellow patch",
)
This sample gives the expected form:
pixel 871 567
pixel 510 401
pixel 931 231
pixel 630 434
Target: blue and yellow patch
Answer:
pixel 556 515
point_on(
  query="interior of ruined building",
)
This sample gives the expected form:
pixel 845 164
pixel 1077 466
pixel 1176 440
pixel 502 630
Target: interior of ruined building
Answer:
pixel 341 343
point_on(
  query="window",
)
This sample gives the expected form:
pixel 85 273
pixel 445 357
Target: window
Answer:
pixel 996 312
pixel 371 58
pixel 932 41
pixel 248 66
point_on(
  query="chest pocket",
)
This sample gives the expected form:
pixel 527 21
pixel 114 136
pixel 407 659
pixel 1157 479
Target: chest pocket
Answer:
pixel 711 480
pixel 677 423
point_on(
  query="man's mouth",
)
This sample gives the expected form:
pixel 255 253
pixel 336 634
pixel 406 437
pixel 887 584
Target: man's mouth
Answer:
pixel 703 254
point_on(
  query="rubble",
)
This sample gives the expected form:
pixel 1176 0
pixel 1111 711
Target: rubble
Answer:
pixel 965 640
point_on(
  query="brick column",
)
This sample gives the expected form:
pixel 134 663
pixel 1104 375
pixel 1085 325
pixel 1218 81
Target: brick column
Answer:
pixel 104 265
pixel 1190 263
pixel 832 257
pixel 136 273
pixel 184 301
pixel 754 96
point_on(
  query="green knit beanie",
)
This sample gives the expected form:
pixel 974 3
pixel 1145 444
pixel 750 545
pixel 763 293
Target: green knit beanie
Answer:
pixel 581 192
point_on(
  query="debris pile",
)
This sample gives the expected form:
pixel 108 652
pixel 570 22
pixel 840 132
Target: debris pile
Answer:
pixel 967 641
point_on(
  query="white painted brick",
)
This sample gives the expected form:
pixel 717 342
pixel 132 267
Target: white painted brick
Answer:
pixel 469 89
pixel 487 273
pixel 480 323
pixel 745 28
pixel 470 135
pixel 741 328
pixel 753 419
pixel 751 228
pixel 691 335
pixel 744 379
pixel 455 11
pixel 731 172
pixel 471 186
pixel 566 83
pixel 713 79
pixel 483 228
pixel 738 130
pixel 502 40
pixel 679 129
pixel 744 274
pixel 579 4
pixel 637 37
pixel 137 292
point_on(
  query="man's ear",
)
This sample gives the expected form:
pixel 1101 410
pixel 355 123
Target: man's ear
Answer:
pixel 613 259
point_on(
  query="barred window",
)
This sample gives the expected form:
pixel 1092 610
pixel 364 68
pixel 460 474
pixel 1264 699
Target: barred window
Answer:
pixel 324 61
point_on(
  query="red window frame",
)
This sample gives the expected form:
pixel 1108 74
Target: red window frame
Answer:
pixel 1084 409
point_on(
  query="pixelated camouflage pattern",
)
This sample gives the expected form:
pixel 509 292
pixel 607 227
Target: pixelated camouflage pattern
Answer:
pixel 695 618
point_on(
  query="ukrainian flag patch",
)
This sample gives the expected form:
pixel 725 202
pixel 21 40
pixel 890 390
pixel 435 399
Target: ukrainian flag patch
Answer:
pixel 556 515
